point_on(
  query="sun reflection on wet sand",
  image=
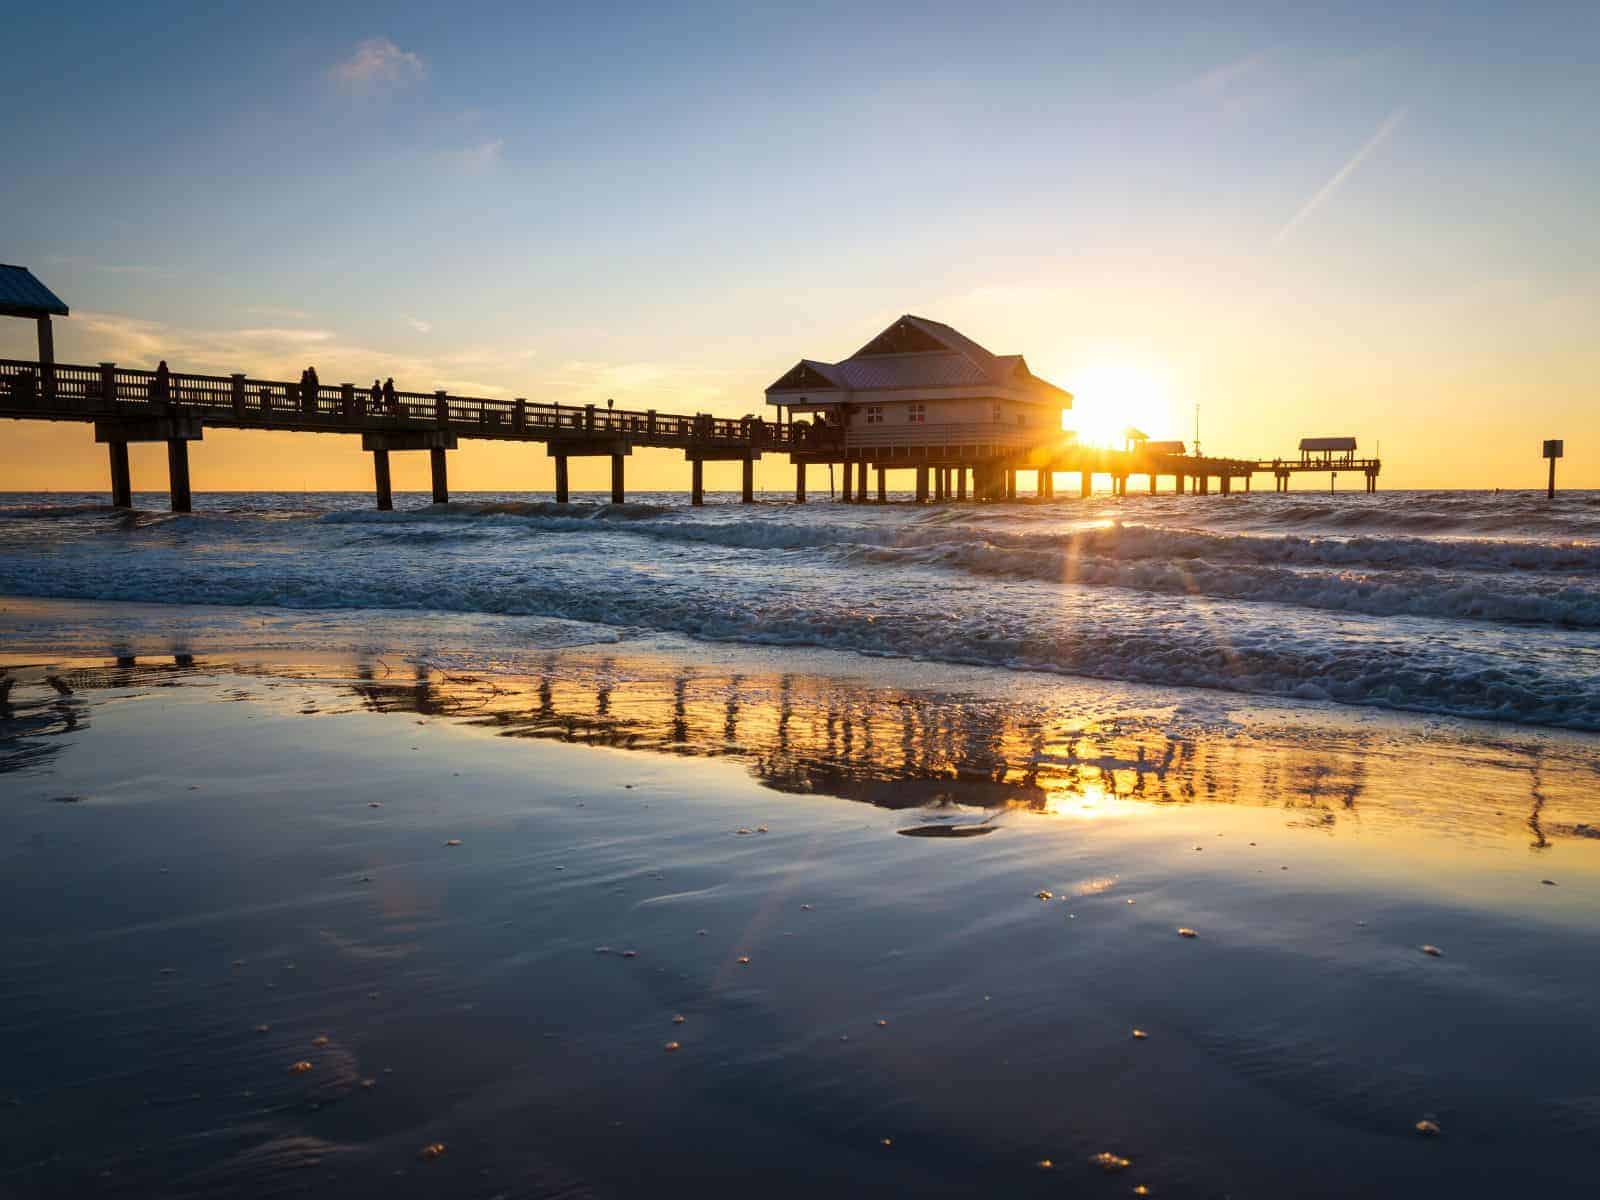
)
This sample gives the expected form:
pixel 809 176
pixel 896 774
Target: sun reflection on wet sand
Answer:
pixel 905 749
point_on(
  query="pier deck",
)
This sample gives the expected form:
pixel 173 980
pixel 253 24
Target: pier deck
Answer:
pixel 127 405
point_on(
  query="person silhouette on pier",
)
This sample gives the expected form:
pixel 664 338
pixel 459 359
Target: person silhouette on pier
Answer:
pixel 376 405
pixel 161 385
pixel 391 402
pixel 309 386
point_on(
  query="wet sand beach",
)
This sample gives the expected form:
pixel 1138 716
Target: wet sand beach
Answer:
pixel 476 896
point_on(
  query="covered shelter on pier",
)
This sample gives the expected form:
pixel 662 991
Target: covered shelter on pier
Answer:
pixel 921 383
pixel 22 295
pixel 1327 450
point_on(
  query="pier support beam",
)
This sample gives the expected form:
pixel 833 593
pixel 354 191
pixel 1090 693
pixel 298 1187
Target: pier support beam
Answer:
pixel 1085 483
pixel 121 480
pixel 1152 483
pixel 380 479
pixel 938 485
pixel 1205 485
pixel 961 483
pixel 799 483
pixel 1227 484
pixel 563 480
pixel 618 494
pixel 845 494
pixel 922 485
pixel 178 474
pixel 861 483
pixel 747 481
pixel 1177 484
pixel 883 484
pixel 441 478
pixel 697 482
pixel 1011 483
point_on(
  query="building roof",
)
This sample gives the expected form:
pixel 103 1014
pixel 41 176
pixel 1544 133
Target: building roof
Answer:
pixel 21 295
pixel 1344 443
pixel 915 353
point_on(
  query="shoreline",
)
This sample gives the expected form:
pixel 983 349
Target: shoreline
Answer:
pixel 511 996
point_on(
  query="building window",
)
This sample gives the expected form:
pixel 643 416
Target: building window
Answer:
pixel 917 414
pixel 874 414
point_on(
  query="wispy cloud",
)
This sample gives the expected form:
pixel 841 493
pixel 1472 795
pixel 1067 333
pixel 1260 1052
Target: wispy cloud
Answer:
pixel 278 314
pixel 486 369
pixel 377 63
pixel 419 326
pixel 94 264
pixel 479 156
pixel 300 336
pixel 1360 156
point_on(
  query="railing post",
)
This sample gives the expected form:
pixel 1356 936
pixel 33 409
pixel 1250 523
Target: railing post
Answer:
pixel 47 358
pixel 347 401
pixel 650 422
pixel 108 384
pixel 441 408
pixel 588 418
pixel 519 416
pixel 238 395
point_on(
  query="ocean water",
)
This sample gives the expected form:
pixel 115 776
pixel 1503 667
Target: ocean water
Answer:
pixel 1467 604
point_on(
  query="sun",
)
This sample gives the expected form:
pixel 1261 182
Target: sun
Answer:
pixel 1109 396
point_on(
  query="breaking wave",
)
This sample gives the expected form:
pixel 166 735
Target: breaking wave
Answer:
pixel 1196 593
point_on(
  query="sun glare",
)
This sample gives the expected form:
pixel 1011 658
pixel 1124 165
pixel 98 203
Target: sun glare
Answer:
pixel 1109 397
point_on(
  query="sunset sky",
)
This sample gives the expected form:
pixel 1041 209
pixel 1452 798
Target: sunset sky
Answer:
pixel 1368 219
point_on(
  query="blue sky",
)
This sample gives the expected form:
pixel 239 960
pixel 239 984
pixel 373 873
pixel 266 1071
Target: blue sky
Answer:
pixel 1295 217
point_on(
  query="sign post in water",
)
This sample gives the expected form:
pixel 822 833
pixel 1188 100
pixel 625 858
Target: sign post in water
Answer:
pixel 1554 448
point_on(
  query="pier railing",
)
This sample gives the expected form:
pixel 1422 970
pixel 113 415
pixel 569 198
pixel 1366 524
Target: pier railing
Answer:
pixel 68 391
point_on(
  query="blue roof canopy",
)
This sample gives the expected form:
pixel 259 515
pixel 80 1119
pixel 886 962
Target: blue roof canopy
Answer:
pixel 21 295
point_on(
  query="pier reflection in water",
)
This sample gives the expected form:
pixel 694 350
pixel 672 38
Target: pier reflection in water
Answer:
pixel 939 753
pixel 905 749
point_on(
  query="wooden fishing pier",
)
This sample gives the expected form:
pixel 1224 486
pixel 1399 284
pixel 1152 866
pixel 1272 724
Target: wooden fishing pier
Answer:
pixel 131 406
pixel 991 420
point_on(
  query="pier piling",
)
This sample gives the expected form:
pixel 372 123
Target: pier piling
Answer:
pixel 380 478
pixel 563 481
pixel 799 483
pixel 747 481
pixel 121 480
pixel 618 495
pixel 441 479
pixel 178 474
pixel 697 482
